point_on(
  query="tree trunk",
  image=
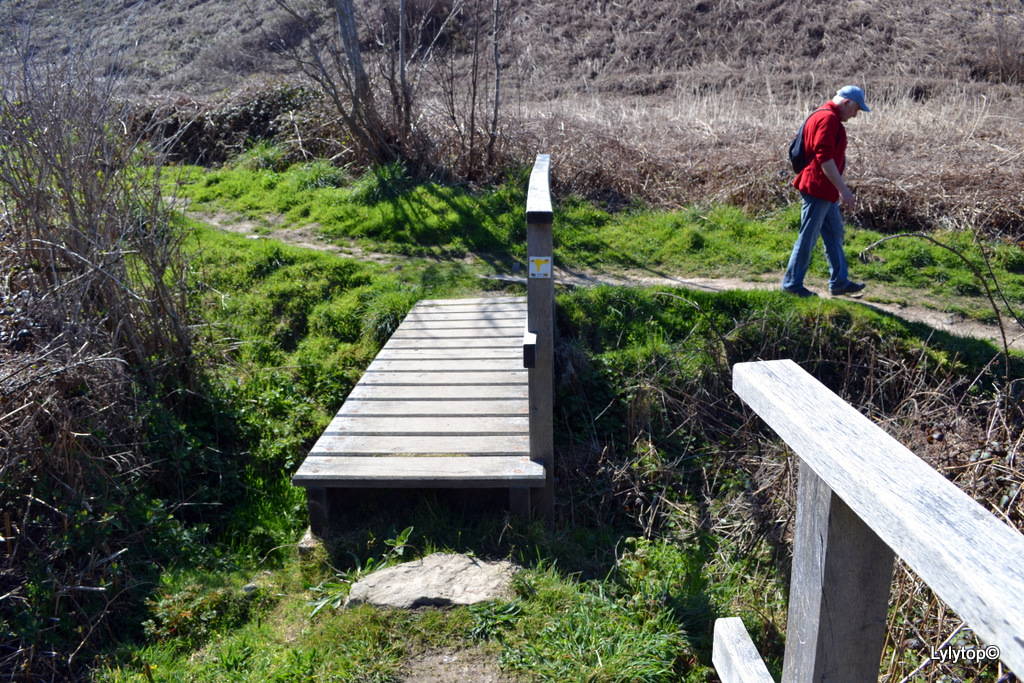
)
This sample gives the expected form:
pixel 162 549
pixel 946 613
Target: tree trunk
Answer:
pixel 493 134
pixel 350 42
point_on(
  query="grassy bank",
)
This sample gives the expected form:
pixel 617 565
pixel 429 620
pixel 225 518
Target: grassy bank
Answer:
pixel 675 506
pixel 673 509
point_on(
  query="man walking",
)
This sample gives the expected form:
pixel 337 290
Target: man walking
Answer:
pixel 823 190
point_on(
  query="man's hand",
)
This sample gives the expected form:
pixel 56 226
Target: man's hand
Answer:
pixel 846 198
pixel 831 172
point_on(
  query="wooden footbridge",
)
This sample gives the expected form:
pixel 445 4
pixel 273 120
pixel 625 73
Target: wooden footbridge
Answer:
pixel 461 396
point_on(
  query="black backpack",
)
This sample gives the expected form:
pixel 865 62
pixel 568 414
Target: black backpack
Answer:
pixel 797 153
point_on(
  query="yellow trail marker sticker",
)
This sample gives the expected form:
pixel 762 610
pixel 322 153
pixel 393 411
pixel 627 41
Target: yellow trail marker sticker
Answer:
pixel 540 266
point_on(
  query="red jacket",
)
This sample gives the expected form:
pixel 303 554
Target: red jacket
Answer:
pixel 824 139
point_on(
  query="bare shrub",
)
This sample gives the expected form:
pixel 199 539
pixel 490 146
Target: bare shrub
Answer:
pixel 411 82
pixel 95 321
pixel 90 237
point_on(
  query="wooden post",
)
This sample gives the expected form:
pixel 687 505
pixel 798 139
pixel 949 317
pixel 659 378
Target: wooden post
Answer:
pixel 540 298
pixel 839 591
pixel 318 504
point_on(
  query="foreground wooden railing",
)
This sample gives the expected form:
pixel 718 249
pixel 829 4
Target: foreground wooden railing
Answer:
pixel 863 497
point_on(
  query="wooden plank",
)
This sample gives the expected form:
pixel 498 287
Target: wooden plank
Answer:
pixel 422 472
pixel 538 196
pixel 467 365
pixel 467 314
pixel 428 392
pixel 445 378
pixel 490 342
pixel 540 297
pixel 839 590
pixel 479 301
pixel 422 408
pixel 733 653
pixel 445 402
pixel 500 444
pixel 972 560
pixel 475 324
pixel 449 354
pixel 461 333
pixel 349 425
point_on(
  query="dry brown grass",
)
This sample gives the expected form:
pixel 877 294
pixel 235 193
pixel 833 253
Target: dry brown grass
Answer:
pixel 950 161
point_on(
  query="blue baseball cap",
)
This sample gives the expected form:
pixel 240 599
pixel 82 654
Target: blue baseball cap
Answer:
pixel 852 92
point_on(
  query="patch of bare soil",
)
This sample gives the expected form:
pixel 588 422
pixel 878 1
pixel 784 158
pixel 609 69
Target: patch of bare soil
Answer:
pixel 939 320
pixel 443 666
pixel 945 322
pixel 306 236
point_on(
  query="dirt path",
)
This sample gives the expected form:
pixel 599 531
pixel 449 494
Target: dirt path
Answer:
pixel 946 322
pixel 307 237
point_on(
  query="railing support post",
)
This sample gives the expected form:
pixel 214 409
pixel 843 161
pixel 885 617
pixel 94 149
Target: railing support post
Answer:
pixel 839 590
pixel 540 297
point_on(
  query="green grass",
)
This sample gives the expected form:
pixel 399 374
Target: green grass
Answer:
pixel 645 553
pixel 384 210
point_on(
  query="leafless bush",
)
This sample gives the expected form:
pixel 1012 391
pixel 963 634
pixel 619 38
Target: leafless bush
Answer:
pixel 94 320
pixel 411 81
pixel 90 237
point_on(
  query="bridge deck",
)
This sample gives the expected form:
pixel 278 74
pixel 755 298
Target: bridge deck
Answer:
pixel 444 405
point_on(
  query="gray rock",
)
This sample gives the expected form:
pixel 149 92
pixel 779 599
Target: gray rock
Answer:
pixel 437 580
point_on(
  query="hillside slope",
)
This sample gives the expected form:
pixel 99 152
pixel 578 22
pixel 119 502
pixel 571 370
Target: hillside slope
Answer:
pixel 639 47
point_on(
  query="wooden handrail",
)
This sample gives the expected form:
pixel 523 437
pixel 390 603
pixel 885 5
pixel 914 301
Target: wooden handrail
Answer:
pixel 538 338
pixel 734 656
pixel 862 497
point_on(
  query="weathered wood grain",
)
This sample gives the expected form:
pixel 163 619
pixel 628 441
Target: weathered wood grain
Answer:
pixel 414 343
pixel 734 655
pixel 349 425
pixel 540 297
pixel 510 377
pixel 479 333
pixel 427 392
pixel 429 354
pixel 450 365
pixel 445 407
pixel 419 472
pixel 538 195
pixel 508 324
pixel 839 590
pixel 442 317
pixel 488 301
pixel 430 408
pixel 426 444
pixel 972 560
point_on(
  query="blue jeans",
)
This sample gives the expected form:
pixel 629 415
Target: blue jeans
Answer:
pixel 818 217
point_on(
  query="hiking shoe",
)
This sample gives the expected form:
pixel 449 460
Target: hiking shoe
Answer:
pixel 800 291
pixel 848 288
